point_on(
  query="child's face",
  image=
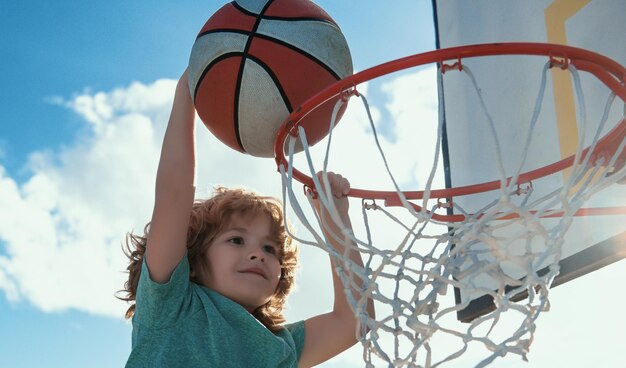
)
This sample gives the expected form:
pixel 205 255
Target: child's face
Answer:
pixel 243 262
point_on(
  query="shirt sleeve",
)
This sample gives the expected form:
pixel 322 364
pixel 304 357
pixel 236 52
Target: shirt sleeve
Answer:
pixel 159 305
pixel 297 333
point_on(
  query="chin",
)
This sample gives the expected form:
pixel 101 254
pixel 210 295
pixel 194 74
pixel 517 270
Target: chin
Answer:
pixel 250 305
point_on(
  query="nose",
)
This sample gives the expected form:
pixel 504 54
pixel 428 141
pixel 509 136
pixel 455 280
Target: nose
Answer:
pixel 256 253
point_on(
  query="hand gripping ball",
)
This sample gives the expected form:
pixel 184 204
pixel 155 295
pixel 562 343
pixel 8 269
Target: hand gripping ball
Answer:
pixel 254 61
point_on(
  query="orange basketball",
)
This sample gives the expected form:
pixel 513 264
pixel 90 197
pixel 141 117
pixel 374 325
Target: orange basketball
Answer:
pixel 254 61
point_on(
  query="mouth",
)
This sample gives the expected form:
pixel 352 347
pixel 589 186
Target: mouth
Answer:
pixel 254 271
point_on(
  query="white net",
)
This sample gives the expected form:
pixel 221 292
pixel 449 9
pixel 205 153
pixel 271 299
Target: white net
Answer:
pixel 505 250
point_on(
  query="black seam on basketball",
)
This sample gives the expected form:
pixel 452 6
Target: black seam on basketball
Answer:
pixel 274 17
pixel 223 30
pixel 301 52
pixel 269 71
pixel 211 64
pixel 232 30
pixel 245 55
pixel 244 10
pixel 300 19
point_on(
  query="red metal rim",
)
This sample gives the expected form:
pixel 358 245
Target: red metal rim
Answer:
pixel 608 71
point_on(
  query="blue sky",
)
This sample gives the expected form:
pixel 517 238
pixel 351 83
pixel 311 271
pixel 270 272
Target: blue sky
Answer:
pixel 61 48
pixel 85 90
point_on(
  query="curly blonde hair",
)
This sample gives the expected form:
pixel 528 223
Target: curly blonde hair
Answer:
pixel 208 219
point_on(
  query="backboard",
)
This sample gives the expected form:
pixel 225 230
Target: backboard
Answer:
pixel 510 89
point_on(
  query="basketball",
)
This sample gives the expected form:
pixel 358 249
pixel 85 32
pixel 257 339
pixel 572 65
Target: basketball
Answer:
pixel 255 61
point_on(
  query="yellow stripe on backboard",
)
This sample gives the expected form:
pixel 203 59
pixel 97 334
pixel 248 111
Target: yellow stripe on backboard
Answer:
pixel 556 14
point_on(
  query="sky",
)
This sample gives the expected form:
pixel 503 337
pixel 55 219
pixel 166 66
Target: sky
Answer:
pixel 86 93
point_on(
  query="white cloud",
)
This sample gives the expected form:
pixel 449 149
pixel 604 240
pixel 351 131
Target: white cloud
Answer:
pixel 63 227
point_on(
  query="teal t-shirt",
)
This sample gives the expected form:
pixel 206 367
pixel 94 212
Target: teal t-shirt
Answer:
pixel 183 324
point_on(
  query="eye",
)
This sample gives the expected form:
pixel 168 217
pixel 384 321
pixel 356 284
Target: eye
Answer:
pixel 270 249
pixel 236 240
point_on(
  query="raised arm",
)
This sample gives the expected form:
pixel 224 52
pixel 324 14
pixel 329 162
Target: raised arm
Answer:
pixel 329 334
pixel 175 188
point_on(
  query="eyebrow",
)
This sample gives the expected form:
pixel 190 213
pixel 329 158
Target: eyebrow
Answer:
pixel 242 229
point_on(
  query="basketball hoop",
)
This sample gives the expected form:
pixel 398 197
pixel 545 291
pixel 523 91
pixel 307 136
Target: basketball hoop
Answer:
pixel 455 257
pixel 606 70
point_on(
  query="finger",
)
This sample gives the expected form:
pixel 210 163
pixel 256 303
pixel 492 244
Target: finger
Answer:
pixel 340 185
pixel 345 187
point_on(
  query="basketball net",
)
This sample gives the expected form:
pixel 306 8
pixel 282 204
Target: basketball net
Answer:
pixel 412 325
